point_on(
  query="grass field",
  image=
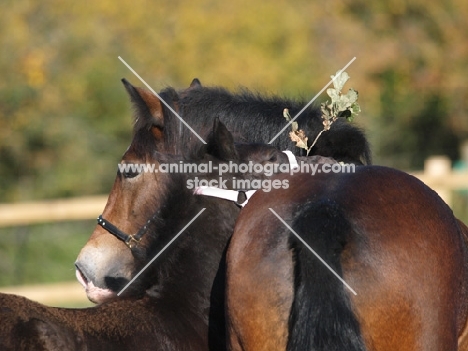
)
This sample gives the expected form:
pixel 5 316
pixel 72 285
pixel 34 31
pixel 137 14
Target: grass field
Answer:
pixel 42 253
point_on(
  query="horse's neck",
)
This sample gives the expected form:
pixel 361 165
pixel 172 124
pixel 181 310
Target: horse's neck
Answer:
pixel 249 117
pixel 199 244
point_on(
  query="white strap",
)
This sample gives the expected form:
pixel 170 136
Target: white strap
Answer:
pixel 217 192
pixel 292 159
pixel 233 195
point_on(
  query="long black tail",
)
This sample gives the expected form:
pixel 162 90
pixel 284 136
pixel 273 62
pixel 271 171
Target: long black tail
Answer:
pixel 321 316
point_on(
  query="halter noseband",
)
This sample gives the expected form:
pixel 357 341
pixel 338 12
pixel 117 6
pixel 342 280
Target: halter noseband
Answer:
pixel 131 240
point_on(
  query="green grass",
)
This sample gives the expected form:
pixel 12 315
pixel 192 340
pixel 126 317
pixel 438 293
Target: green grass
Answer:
pixel 42 253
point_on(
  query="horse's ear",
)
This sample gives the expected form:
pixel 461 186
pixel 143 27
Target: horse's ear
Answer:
pixel 146 104
pixel 195 83
pixel 221 143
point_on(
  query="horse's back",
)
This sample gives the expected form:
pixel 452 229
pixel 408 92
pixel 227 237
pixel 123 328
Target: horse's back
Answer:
pixel 404 256
pixel 463 316
pixel 407 258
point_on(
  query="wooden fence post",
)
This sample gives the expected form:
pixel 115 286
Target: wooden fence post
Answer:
pixel 438 168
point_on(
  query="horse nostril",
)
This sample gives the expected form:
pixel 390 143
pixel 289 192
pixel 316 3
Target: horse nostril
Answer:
pixel 115 283
pixel 104 270
pixel 81 276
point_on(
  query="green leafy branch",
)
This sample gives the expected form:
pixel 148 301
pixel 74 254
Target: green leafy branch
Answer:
pixel 341 105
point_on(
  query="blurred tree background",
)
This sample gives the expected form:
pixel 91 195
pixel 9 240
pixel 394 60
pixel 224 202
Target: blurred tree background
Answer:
pixel 65 117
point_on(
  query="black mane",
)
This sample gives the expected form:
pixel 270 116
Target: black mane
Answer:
pixel 251 118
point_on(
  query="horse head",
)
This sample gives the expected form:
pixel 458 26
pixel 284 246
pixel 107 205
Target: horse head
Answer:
pixel 146 206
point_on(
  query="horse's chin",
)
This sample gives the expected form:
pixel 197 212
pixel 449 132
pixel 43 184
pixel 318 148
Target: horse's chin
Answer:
pixel 94 293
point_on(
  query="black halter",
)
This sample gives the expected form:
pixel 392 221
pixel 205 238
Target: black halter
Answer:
pixel 131 240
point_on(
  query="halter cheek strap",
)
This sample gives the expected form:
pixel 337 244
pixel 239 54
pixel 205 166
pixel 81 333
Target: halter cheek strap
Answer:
pixel 233 195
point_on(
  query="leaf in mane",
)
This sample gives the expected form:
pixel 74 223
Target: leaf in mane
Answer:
pixel 294 125
pixel 341 105
pixel 299 138
pixel 339 80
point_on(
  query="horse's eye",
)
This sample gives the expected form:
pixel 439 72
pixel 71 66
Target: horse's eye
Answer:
pixel 130 174
pixel 273 158
pixel 129 170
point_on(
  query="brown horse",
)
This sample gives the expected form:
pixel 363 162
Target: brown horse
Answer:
pixel 391 239
pixel 183 298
